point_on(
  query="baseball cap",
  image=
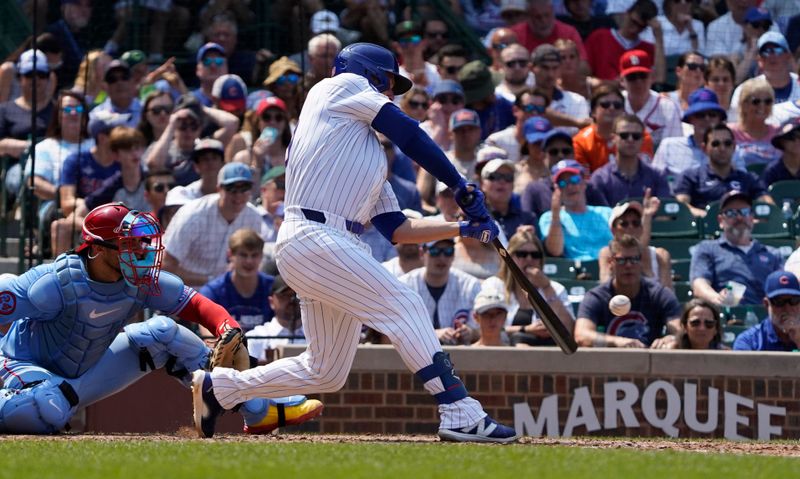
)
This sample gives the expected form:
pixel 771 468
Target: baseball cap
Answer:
pixel 464 117
pixel 278 285
pixel 234 172
pixel 536 129
pixel 623 208
pixel 209 47
pixel 178 196
pixel 255 97
pixel 116 65
pixel 280 67
pixel 634 61
pixel 230 93
pixel 618 6
pixel 495 165
pixel 787 127
pixel 734 195
pixel 774 38
pixel 273 173
pixel 431 244
pixel 781 282
pixel 490 299
pixel 105 121
pixel 407 29
pixel 545 53
pixel 25 63
pixel 513 6
pixel 488 153
pixel 555 133
pixel 757 14
pixel 207 144
pixel 271 102
pixel 703 99
pixel 133 57
pixel 566 166
pixel 476 80
pixel 190 102
pixel 324 21
pixel 448 86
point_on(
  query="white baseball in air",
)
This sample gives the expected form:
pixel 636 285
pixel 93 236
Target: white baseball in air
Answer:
pixel 619 305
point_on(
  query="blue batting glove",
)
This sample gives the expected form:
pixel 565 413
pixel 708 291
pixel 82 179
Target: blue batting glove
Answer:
pixel 471 200
pixel 482 230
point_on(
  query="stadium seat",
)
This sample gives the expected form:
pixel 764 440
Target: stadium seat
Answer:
pixel 577 287
pixel 769 222
pixel 756 168
pixel 674 220
pixel 680 269
pixel 559 268
pixel 710 221
pixel 730 332
pixel 786 191
pixel 683 290
pixel 678 248
pixel 587 270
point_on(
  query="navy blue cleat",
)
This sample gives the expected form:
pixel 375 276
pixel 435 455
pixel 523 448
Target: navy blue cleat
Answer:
pixel 206 407
pixel 486 430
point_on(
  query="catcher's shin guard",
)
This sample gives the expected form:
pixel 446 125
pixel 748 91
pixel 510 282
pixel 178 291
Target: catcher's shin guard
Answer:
pixel 44 408
pixel 160 338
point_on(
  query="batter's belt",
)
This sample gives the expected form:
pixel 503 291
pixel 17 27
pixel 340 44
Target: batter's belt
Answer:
pixel 329 219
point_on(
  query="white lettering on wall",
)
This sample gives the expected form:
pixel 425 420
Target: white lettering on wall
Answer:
pixel 581 413
pixel 690 408
pixel 614 404
pixel 671 415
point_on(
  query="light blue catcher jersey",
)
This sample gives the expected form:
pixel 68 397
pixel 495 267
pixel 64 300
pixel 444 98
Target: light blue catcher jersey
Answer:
pixel 63 321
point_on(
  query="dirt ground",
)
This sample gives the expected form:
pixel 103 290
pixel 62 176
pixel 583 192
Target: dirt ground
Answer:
pixel 789 449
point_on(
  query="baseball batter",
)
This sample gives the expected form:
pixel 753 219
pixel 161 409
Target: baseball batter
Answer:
pixel 64 350
pixel 335 182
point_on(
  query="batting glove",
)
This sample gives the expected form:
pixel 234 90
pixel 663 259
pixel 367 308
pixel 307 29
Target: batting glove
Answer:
pixel 471 200
pixel 482 230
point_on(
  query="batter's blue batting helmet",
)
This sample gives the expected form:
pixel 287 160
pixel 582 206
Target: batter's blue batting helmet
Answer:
pixel 372 62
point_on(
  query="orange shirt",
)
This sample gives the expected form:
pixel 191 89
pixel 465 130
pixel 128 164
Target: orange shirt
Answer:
pixel 591 150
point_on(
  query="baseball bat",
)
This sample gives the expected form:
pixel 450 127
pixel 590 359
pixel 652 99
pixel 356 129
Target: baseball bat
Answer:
pixel 558 331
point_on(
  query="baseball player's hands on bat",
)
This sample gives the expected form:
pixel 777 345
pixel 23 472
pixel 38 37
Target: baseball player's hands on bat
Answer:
pixel 230 351
pixel 484 230
pixel 471 200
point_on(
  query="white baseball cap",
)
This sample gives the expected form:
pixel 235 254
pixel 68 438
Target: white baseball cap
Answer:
pixel 489 299
pixel 493 165
pixel 324 21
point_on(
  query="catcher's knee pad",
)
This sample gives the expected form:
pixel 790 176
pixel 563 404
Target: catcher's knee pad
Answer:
pixel 443 369
pixel 41 409
pixel 163 338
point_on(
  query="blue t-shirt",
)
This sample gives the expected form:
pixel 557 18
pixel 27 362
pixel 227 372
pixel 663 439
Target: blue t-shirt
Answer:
pixel 248 312
pixel 585 234
pixel 85 173
pixel 761 337
pixel 496 117
pixel 777 171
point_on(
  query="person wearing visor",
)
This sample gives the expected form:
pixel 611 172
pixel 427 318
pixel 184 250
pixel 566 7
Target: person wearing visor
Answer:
pixel 64 349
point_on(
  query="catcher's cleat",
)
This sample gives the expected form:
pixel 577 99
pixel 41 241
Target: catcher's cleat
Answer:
pixel 486 430
pixel 206 407
pixel 289 413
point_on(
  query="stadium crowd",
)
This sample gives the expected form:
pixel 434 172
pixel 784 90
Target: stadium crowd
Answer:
pixel 645 148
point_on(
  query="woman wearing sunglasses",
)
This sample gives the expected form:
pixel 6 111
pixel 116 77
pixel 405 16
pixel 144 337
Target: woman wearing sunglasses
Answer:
pixel 264 138
pixel 415 103
pixel 522 323
pixel 701 327
pixel 284 81
pixel 752 133
pixel 158 106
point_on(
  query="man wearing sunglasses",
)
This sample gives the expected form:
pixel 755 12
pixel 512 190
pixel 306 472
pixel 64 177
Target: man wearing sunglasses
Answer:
pixel 653 307
pixel 122 93
pixel 735 256
pixel 527 104
pixel 452 58
pixel 516 72
pixel 448 293
pixel 211 64
pixel 699 186
pixel 780 331
pixel 497 40
pixel 497 182
pixel 725 35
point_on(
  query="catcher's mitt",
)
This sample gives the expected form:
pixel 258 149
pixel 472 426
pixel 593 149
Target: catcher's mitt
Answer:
pixel 230 351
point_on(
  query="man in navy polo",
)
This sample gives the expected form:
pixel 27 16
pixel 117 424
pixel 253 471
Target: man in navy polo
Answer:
pixel 628 176
pixel 788 166
pixel 702 185
pixel 781 331
pixel 734 256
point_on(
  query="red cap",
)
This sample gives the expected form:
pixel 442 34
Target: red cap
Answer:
pixel 635 61
pixel 271 102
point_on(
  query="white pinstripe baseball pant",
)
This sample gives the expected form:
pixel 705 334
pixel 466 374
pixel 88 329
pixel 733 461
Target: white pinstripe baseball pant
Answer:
pixel 340 287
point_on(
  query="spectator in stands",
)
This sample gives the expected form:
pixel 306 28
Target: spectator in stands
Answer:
pixel 465 129
pixel 701 185
pixel 515 67
pixel 370 18
pixel 682 33
pixel 594 144
pixel 451 59
pixel 680 153
pixel 572 228
pixel 557 146
pixel 629 176
pixel 272 193
pixel 71 32
pixel 157 184
pixel 409 45
pixel 89 81
pixel 775 60
pixel 490 311
pixel 229 94
pixel 527 104
pixel 494 111
pixel 719 76
pixel 243 289
pixel 122 93
pixel 409 255
pixel 690 69
pixel 497 181
pixel 156 109
pixel 661 116
pixel 735 256
pixel 788 166
pixel 757 22
pixel 701 327
pixel 176 198
pixel 448 96
pixel 653 306
pixel 542 27
pixel 436 34
pixel 606 47
pixel 574 73
pixel 573 107
pixel 532 167
pixel 513 12
pixel 630 218
pixel 415 103
pixel 211 64
pixel 579 15
pixel 523 324
pixel 126 185
pixel 199 232
pixel 206 159
pixel 262 143
pixel 499 39
pixel 752 132
pixel 322 50
pixel 448 293
pixel 725 35
pixel 9 74
pixel 285 326
pixel 223 30
pixel 284 82
pixel 780 332
pixel 445 203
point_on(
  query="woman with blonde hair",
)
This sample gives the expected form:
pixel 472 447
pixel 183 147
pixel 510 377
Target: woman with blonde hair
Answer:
pixel 523 325
pixel 89 81
pixel 752 133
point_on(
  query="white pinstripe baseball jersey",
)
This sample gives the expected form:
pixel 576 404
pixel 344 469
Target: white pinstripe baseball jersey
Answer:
pixel 455 305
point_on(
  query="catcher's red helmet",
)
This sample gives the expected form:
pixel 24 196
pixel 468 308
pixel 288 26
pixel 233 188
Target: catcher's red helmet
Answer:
pixel 101 225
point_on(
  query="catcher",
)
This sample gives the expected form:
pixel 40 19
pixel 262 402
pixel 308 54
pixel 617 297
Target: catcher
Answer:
pixel 64 350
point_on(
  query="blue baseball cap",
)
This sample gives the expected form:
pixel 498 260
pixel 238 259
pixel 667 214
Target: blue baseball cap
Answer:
pixel 757 14
pixel 25 63
pixel 464 117
pixel 772 37
pixel 234 172
pixel 105 121
pixel 566 166
pixel 556 133
pixel 255 97
pixel 536 129
pixel 701 100
pixel 787 127
pixel 448 86
pixel 781 283
pixel 209 47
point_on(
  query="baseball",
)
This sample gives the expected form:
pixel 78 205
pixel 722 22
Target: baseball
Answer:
pixel 619 305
